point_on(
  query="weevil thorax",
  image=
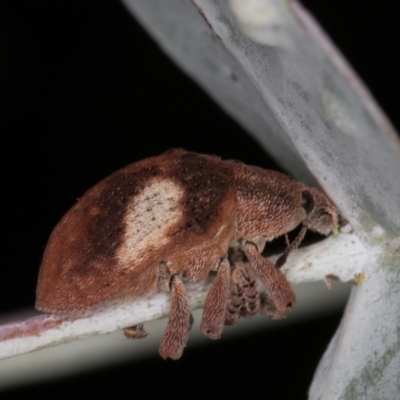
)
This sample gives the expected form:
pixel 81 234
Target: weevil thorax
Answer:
pixel 267 207
pixel 311 207
pixel 271 203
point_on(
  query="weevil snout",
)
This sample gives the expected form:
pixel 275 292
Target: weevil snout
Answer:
pixel 322 216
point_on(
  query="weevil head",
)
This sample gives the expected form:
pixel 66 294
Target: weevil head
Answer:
pixel 321 214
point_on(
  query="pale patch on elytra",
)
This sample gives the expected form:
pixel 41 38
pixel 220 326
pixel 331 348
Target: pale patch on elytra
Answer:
pixel 148 219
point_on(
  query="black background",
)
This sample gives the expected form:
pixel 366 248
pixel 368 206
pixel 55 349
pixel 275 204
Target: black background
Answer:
pixel 84 91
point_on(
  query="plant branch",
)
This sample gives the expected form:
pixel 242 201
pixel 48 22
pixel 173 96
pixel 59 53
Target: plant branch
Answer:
pixel 337 257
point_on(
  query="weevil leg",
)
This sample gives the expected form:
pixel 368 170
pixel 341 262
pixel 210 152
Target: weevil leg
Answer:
pixel 281 294
pixel 244 297
pixel 251 294
pixel 290 247
pixel 212 322
pixel 196 262
pixel 135 332
pixel 235 300
pixel 179 322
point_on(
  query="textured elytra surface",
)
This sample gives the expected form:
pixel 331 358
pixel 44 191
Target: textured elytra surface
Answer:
pixel 93 247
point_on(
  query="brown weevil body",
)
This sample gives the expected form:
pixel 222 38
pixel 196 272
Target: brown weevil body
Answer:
pixel 171 219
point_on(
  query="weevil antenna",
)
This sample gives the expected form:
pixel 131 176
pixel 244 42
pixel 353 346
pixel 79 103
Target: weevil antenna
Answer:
pixel 293 246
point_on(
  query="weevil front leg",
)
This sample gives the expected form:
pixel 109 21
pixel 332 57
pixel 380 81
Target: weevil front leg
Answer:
pixel 212 322
pixel 179 322
pixel 282 298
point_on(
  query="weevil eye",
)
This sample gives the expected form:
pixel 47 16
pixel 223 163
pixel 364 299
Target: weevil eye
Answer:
pixel 307 201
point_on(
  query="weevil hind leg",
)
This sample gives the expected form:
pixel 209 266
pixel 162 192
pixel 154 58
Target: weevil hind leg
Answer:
pixel 212 322
pixel 179 322
pixel 281 296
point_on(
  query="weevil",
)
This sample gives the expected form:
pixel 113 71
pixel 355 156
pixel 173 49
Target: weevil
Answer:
pixel 167 220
